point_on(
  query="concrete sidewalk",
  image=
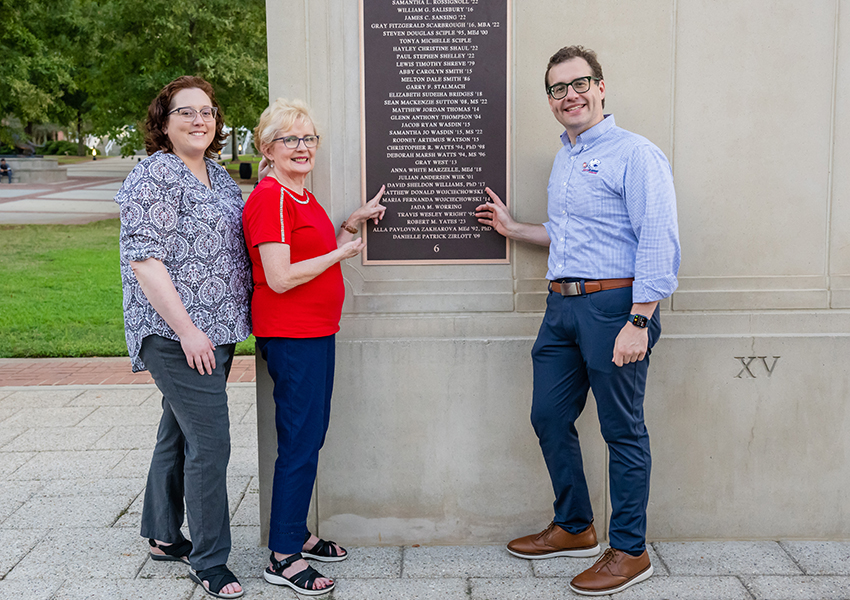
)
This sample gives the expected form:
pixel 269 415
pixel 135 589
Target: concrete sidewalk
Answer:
pixel 73 461
pixel 85 197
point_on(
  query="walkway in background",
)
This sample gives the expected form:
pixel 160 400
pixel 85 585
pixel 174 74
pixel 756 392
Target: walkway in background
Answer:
pixel 85 197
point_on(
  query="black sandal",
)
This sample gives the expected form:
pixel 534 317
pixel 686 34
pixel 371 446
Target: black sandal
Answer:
pixel 324 551
pixel 218 577
pixel 301 582
pixel 173 552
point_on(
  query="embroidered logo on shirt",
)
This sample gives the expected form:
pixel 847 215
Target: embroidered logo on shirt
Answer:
pixel 591 167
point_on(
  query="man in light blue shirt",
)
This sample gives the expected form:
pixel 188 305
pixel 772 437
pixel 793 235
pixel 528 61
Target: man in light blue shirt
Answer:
pixel 614 254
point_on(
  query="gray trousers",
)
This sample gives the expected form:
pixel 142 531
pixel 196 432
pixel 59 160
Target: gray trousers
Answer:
pixel 191 454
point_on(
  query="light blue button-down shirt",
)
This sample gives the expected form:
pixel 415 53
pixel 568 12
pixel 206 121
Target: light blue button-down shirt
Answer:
pixel 612 212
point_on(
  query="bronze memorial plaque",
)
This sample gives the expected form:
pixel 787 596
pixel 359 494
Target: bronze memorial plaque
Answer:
pixel 435 126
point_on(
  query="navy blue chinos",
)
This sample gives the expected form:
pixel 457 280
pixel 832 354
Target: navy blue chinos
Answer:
pixel 573 353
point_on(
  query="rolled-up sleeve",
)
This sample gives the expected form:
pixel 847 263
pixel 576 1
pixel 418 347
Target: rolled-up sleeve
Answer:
pixel 148 218
pixel 651 204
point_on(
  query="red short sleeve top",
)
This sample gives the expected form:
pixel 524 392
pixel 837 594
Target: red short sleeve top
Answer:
pixel 274 213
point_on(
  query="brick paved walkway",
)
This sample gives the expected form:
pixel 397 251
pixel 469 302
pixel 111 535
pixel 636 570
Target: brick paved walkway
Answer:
pixel 93 371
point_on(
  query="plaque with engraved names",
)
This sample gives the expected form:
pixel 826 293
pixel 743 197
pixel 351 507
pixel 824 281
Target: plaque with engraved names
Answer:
pixel 435 127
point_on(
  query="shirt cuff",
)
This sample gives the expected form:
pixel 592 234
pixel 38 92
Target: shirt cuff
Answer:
pixel 140 249
pixel 653 290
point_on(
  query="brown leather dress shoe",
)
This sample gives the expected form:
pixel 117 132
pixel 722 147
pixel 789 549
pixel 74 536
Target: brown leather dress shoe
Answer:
pixel 612 573
pixel 554 541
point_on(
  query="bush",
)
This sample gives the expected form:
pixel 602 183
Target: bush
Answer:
pixel 65 147
pixel 59 147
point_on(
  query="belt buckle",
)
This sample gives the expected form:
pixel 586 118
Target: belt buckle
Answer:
pixel 571 288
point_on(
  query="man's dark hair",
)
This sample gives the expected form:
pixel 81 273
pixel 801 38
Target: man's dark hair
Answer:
pixel 569 52
pixel 155 137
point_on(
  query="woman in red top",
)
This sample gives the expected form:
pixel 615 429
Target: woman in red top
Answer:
pixel 298 292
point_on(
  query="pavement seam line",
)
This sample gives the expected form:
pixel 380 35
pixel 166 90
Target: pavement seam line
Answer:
pixel 747 585
pixel 105 433
pixel 241 498
pixel 27 553
pixel 126 508
pixel 792 557
pixel 12 440
pixel 661 558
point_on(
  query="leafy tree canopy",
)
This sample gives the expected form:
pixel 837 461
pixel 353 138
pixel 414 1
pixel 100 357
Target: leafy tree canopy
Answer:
pixel 32 73
pixel 105 60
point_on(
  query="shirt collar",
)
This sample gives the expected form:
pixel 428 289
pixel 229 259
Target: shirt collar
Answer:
pixel 592 134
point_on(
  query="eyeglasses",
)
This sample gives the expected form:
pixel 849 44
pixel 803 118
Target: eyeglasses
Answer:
pixel 580 85
pixel 292 141
pixel 188 114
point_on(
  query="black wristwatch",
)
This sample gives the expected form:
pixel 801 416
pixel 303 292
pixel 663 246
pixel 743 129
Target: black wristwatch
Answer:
pixel 639 321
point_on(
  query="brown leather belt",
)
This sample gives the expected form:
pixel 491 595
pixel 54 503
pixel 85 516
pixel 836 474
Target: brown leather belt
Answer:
pixel 581 287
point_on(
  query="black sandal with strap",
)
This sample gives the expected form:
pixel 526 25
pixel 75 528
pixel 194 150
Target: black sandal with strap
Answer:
pixel 217 577
pixel 324 551
pixel 176 552
pixel 302 582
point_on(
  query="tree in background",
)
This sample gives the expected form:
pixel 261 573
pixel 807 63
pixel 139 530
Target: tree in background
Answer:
pixel 141 46
pixel 95 65
pixel 32 73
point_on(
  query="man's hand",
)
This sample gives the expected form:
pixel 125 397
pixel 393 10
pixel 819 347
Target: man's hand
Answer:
pixel 495 214
pixel 630 345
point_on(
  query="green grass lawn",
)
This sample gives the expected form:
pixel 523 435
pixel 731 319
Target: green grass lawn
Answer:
pixel 71 160
pixel 60 291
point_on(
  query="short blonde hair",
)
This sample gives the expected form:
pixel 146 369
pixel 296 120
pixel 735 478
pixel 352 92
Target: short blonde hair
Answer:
pixel 280 115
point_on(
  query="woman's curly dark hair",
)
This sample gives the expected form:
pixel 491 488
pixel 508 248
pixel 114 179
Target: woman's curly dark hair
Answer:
pixel 155 137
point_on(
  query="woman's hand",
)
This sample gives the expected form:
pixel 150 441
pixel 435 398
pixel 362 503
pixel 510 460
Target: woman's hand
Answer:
pixel 352 248
pixel 156 283
pixel 371 210
pixel 282 275
pixel 199 350
pixel 263 168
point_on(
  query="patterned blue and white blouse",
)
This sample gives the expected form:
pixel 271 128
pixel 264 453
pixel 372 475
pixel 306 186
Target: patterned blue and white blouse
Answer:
pixel 168 214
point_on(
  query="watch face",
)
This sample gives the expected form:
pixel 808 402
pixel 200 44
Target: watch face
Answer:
pixel 639 321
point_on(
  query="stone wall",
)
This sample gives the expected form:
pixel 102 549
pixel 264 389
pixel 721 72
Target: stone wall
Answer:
pixel 36 170
pixel 747 402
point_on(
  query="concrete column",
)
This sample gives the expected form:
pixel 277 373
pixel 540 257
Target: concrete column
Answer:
pixel 746 405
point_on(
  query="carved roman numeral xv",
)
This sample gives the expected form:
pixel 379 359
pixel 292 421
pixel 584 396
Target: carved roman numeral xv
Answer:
pixel 747 372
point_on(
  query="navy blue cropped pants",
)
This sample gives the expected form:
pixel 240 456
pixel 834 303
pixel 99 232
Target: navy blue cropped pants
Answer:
pixel 303 373
pixel 572 354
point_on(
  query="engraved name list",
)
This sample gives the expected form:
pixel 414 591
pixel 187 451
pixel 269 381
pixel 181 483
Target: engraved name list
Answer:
pixel 435 124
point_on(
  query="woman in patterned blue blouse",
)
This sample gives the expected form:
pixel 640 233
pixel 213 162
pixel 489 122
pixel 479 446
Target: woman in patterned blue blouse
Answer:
pixel 187 285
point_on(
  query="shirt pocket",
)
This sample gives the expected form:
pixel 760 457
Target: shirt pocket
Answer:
pixel 587 195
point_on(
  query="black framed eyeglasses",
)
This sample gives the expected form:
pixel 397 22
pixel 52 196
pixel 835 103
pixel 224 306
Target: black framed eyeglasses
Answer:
pixel 188 114
pixel 580 85
pixel 292 141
